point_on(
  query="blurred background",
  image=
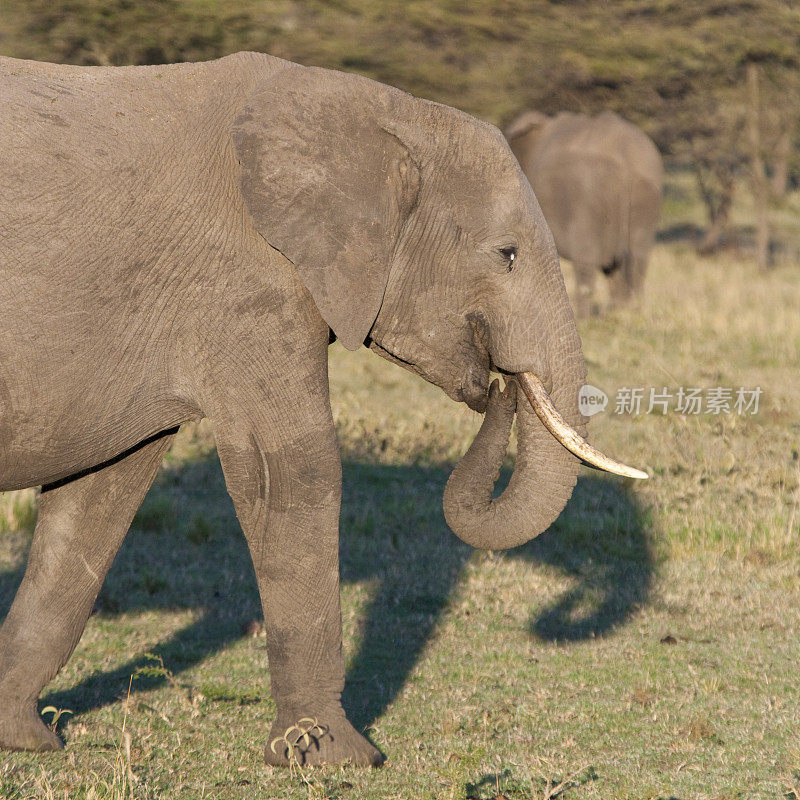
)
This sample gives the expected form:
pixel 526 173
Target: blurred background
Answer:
pixel 715 83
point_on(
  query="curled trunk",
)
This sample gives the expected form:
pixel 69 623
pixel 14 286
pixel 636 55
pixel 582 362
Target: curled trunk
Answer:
pixel 542 482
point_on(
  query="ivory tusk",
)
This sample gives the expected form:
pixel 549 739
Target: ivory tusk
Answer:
pixel 557 425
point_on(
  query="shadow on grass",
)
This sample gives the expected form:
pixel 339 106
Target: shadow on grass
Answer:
pixel 739 240
pixel 503 784
pixel 186 552
pixel 681 232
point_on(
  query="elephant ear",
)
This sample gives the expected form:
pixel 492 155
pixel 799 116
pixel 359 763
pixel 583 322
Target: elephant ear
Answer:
pixel 329 185
pixel 525 123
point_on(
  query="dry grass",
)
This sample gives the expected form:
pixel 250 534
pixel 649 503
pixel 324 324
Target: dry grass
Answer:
pixel 724 483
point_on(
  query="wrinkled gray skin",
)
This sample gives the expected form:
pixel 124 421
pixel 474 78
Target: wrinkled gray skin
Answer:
pixel 599 182
pixel 178 242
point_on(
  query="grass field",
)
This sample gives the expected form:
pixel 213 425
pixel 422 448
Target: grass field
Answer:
pixel 647 646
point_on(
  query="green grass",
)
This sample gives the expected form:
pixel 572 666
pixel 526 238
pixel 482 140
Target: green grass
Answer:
pixel 645 647
pixel 17 510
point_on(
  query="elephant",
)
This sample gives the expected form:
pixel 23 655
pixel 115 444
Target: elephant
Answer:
pixel 599 182
pixel 184 242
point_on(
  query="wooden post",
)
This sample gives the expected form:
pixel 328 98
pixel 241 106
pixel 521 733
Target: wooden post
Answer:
pixel 780 165
pixel 758 173
pixel 715 182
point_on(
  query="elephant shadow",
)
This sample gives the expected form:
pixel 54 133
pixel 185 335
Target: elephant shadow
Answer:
pixel 186 552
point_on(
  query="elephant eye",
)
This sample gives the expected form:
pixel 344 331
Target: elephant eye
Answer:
pixel 510 255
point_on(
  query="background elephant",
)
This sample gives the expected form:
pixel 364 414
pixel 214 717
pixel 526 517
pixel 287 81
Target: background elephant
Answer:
pixel 184 241
pixel 599 181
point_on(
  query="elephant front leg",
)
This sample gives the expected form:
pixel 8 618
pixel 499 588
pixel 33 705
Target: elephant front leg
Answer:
pixel 287 498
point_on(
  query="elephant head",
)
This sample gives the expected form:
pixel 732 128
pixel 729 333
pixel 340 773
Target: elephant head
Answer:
pixel 524 132
pixel 415 231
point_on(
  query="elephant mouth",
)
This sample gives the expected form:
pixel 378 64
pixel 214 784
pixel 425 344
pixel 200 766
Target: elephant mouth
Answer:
pixel 472 388
pixel 389 356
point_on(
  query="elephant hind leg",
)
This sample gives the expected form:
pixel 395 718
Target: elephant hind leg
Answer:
pixel 619 283
pixel 585 278
pixel 80 526
pixel 626 282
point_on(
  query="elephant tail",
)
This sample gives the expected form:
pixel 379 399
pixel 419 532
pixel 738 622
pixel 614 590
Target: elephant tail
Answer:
pixel 618 246
pixel 639 212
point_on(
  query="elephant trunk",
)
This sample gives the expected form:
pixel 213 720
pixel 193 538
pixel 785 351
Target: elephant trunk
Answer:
pixel 544 477
pixel 542 482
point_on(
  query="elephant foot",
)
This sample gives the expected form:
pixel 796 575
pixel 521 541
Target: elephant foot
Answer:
pixel 24 730
pixel 327 738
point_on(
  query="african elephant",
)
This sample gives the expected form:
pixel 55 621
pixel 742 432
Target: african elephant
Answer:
pixel 599 181
pixel 185 241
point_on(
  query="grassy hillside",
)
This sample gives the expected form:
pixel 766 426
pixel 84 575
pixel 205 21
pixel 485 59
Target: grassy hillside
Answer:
pixel 652 61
